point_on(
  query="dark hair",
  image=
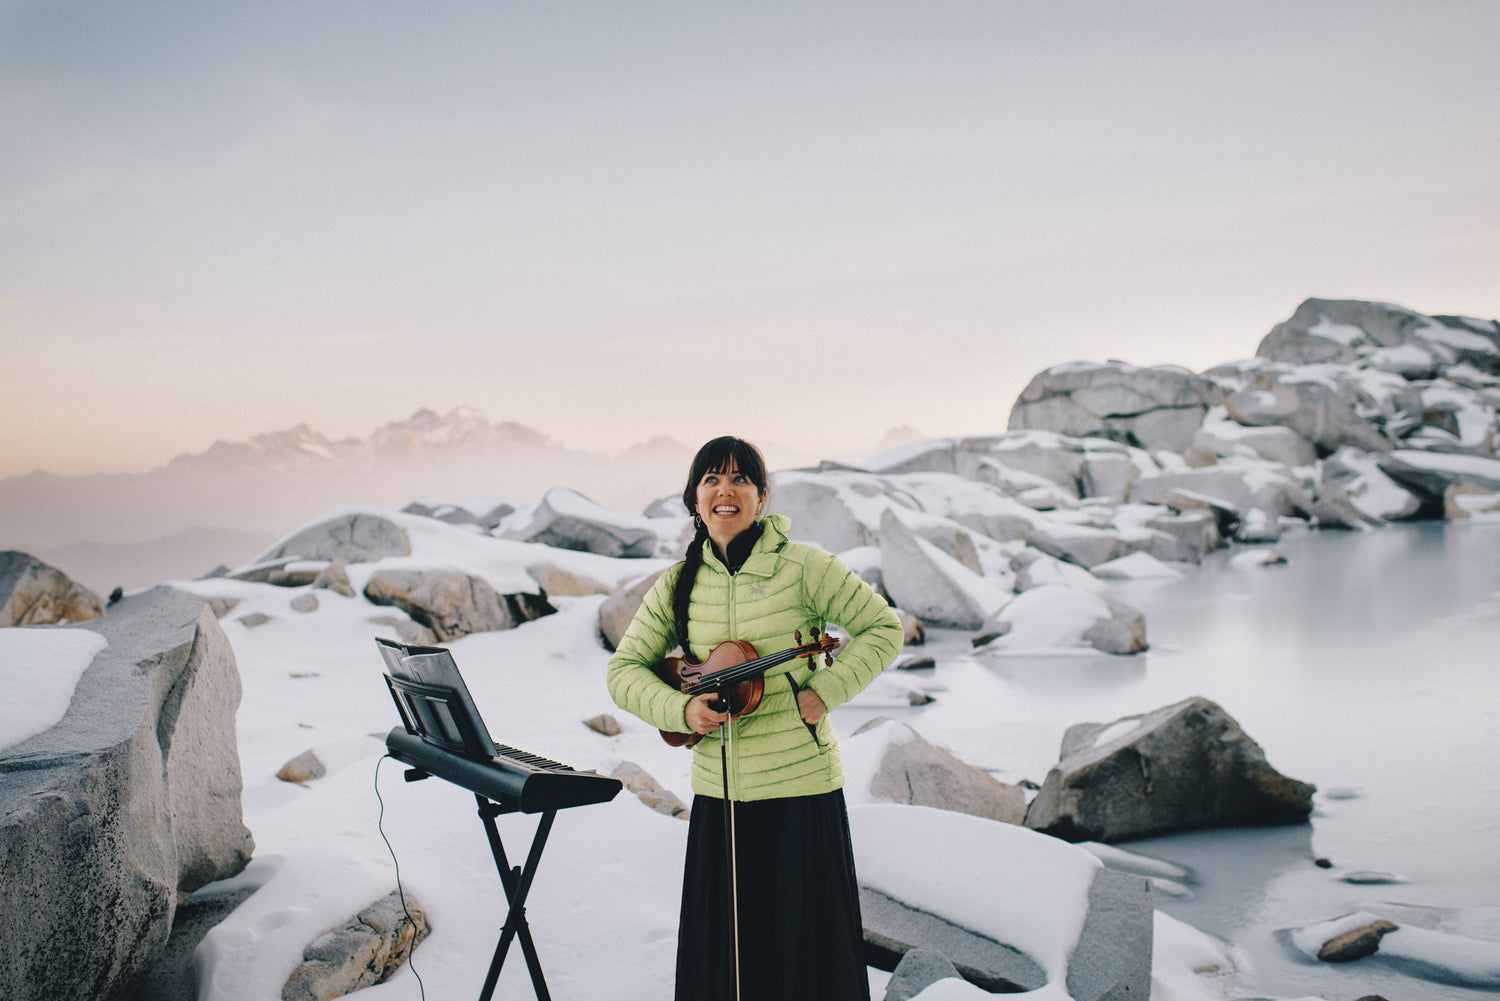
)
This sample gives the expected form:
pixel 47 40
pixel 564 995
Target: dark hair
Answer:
pixel 715 457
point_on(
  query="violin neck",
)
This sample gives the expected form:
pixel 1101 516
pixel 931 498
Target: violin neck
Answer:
pixel 749 669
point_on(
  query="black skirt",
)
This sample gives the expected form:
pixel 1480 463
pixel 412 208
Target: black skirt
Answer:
pixel 800 935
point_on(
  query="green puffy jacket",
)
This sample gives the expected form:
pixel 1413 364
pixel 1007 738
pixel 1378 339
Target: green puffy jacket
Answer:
pixel 783 587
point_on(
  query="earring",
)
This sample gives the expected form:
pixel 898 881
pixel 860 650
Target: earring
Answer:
pixel 697 520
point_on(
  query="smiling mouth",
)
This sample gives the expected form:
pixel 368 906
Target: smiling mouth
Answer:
pixel 726 510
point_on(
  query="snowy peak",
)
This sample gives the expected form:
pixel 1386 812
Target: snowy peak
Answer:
pixel 462 427
pixel 423 433
pixel 295 446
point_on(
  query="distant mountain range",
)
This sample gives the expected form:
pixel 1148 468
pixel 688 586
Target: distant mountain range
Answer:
pixel 231 501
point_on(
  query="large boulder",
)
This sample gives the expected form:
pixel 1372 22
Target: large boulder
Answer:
pixel 1157 407
pixel 130 802
pixel 32 593
pixel 353 537
pixel 822 507
pixel 452 603
pixel 565 519
pixel 616 611
pixel 1183 766
pixel 930 584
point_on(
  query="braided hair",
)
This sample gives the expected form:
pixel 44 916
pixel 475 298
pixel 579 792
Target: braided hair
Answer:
pixel 717 456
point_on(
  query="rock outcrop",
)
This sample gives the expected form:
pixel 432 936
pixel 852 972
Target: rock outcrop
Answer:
pixel 1384 336
pixel 32 593
pixel 356 537
pixel 1184 766
pixel 127 803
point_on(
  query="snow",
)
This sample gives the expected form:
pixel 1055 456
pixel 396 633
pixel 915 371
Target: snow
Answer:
pixel 39 668
pixel 1251 558
pixel 1135 566
pixel 1189 965
pixel 1455 338
pixel 1474 960
pixel 1115 731
pixel 1340 333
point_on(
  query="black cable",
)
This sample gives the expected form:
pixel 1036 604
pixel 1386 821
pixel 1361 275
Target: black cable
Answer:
pixel 399 892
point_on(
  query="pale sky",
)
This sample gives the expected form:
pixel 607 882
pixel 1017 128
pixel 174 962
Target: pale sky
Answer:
pixel 801 222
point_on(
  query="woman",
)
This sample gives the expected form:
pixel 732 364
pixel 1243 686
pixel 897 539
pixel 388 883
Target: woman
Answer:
pixel 799 933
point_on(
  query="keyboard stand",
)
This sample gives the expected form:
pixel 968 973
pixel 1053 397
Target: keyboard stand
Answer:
pixel 517 883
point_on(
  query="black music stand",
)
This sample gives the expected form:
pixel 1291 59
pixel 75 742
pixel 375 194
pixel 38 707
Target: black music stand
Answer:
pixel 439 716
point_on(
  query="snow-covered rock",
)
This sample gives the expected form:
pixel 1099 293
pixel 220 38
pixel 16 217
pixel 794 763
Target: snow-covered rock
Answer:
pixel 1092 942
pixel 1157 407
pixel 130 799
pixel 1056 618
pixel 353 536
pixel 930 584
pixel 565 519
pixel 1345 331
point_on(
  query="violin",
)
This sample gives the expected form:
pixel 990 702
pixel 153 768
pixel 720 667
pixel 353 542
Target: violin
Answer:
pixel 733 670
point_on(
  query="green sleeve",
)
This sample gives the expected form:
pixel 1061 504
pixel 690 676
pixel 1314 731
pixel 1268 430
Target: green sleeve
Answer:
pixel 651 636
pixel 842 597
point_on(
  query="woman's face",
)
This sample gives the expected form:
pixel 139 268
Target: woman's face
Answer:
pixel 727 502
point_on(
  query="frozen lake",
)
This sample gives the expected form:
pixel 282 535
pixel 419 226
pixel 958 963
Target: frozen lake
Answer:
pixel 1366 665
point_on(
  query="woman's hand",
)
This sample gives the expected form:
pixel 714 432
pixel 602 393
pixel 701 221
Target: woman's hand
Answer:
pixel 810 706
pixel 703 719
